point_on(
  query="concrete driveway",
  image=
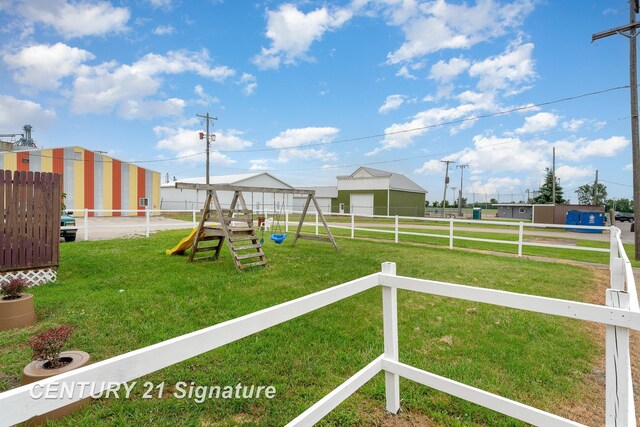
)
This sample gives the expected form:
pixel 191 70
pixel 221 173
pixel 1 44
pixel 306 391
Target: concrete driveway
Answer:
pixel 105 228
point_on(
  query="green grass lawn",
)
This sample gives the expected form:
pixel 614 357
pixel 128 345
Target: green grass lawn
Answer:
pixel 126 294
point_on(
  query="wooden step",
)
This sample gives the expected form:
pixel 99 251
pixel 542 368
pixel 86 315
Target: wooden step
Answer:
pixel 242 248
pixel 247 256
pixel 253 264
pixel 243 238
pixel 206 248
pixel 240 229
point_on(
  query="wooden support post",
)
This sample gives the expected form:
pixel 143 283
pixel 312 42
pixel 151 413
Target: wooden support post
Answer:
pixel 620 408
pixel 302 216
pixel 390 318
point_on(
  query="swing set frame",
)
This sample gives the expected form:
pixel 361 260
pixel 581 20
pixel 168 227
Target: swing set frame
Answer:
pixel 311 198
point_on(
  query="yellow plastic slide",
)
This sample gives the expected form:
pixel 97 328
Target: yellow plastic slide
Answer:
pixel 183 244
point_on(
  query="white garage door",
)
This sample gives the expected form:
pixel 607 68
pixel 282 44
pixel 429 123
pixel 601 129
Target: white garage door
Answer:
pixel 362 204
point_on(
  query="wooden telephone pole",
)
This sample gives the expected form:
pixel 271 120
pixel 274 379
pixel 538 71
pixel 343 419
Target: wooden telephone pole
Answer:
pixel 446 182
pixel 207 118
pixel 629 31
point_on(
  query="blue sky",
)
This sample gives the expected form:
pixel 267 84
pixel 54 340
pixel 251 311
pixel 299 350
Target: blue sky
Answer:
pixel 310 90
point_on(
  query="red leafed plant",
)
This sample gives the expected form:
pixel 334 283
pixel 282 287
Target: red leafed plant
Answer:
pixel 13 288
pixel 48 344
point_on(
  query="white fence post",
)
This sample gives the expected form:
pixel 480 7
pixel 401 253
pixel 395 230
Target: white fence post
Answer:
pixel 195 224
pixel 520 236
pixel 353 225
pixel 390 318
pixel 450 233
pixel 620 408
pixel 396 228
pixel 86 225
pixel 316 223
pixel 286 221
pixel 147 223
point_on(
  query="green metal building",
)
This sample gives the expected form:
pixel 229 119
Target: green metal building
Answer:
pixel 369 191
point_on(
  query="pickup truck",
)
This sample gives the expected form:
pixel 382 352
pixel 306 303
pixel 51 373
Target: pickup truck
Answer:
pixel 66 220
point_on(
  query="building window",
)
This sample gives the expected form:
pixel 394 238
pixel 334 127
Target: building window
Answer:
pixel 523 210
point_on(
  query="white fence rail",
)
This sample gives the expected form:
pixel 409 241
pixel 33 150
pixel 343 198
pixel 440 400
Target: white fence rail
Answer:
pixel 17 405
pixel 448 224
pixel 397 229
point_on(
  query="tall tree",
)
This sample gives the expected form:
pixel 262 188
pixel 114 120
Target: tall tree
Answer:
pixel 585 194
pixel 545 193
pixel 620 205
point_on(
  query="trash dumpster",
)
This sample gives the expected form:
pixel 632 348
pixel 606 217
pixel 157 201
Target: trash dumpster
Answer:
pixel 595 219
pixel 477 213
pixel 572 218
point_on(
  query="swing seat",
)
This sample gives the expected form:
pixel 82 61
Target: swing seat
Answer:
pixel 278 238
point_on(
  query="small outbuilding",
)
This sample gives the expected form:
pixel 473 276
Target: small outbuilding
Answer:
pixel 324 196
pixel 369 191
pixel 188 199
pixel 515 211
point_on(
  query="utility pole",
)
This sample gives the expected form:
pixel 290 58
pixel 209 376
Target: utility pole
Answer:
pixel 595 189
pixel 528 197
pixel 629 31
pixel 454 195
pixel 207 118
pixel 446 182
pixel 462 168
pixel 553 176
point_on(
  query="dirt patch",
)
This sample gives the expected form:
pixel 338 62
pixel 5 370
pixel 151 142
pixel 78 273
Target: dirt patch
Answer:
pixel 405 418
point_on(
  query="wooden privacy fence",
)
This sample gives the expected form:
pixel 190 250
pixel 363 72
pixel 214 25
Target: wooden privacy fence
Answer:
pixel 30 203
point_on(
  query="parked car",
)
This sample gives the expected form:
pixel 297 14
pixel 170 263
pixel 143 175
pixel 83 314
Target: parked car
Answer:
pixel 624 216
pixel 66 220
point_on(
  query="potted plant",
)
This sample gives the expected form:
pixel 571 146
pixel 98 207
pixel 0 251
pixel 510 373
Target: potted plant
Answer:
pixel 49 360
pixel 16 308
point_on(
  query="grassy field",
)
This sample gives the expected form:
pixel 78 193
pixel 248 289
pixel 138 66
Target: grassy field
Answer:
pixel 126 294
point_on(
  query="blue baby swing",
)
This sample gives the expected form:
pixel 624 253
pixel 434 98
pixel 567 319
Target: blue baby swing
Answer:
pixel 277 236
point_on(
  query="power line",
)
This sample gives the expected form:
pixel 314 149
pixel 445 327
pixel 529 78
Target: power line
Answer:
pixel 442 124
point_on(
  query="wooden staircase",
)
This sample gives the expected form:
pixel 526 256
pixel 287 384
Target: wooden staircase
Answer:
pixel 235 225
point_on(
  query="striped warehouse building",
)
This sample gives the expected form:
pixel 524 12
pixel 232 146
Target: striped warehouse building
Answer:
pixel 91 180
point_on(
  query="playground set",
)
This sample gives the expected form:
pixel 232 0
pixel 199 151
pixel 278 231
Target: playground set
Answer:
pixel 235 225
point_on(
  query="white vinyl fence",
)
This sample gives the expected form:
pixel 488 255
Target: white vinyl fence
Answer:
pixel 620 315
pixel 367 224
pixel 356 223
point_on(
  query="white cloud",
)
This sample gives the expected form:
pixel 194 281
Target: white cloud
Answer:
pixel 42 66
pixel 102 88
pixel 404 72
pixel 248 83
pixel 628 167
pixel 401 135
pixel 430 167
pixel 203 98
pixel 292 32
pixel 186 142
pixel 573 125
pixel 393 102
pixel 259 164
pixel 493 154
pixel 303 136
pixel 78 18
pixel 160 3
pixel 539 123
pixel 444 71
pixel 432 26
pixel 139 109
pixel 292 139
pixel 16 112
pixel 164 30
pixel 582 148
pixel 513 67
pixel 570 174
